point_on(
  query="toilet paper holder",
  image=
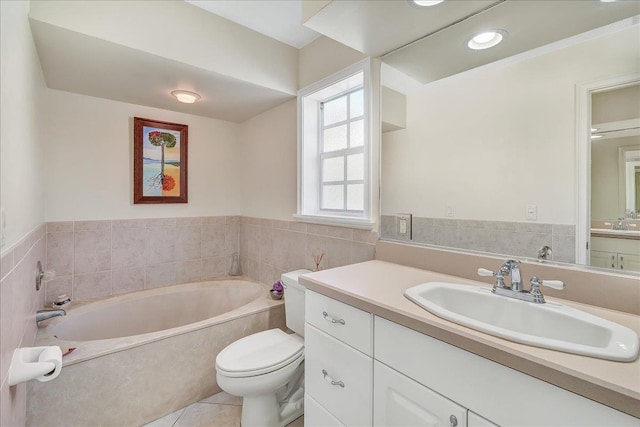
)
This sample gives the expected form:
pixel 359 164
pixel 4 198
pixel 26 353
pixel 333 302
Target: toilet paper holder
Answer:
pixel 39 363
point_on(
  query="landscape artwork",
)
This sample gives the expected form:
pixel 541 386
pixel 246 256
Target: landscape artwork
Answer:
pixel 160 162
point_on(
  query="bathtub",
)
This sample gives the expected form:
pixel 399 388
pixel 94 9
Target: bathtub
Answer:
pixel 143 355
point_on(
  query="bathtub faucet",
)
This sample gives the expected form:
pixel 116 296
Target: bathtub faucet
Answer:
pixel 48 314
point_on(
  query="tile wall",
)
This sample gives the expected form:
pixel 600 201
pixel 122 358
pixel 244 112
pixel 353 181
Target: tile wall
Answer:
pixel 521 239
pixel 19 301
pixel 269 248
pixel 99 258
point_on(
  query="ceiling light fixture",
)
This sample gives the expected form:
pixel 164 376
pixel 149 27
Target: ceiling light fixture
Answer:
pixel 596 136
pixel 185 96
pixel 427 3
pixel 486 39
pixel 593 129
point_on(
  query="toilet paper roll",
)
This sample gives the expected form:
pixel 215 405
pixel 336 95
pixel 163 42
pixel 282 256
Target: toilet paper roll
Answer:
pixel 35 363
pixel 51 354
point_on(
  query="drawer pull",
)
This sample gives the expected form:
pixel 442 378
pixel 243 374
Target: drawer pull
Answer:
pixel 330 380
pixel 331 319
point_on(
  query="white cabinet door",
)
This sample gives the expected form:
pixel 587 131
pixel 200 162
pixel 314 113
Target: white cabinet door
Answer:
pixel 400 401
pixel 604 259
pixel 338 377
pixel 629 262
pixel 316 416
pixel 476 420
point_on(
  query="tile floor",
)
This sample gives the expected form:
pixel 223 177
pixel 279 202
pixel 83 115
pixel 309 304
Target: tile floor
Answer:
pixel 219 410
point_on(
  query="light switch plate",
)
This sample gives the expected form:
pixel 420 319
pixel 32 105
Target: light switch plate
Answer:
pixel 532 212
pixel 404 225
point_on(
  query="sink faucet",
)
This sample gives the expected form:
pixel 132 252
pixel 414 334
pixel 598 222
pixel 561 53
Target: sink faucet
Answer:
pixel 512 267
pixel 48 314
pixel 620 225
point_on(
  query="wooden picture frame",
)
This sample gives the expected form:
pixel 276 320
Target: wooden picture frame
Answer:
pixel 159 161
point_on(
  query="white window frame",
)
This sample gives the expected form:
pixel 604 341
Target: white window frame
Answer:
pixel 309 150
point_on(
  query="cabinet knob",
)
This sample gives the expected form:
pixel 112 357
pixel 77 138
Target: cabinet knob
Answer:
pixel 453 420
pixel 331 319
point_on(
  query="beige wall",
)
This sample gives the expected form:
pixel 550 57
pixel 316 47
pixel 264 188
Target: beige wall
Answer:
pixel 23 125
pixel 268 153
pixel 605 194
pixel 490 141
pixel 22 139
pixel 89 161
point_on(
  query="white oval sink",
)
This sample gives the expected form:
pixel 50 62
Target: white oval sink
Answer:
pixel 550 325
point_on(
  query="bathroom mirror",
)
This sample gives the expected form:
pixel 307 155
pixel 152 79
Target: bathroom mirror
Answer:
pixel 486 160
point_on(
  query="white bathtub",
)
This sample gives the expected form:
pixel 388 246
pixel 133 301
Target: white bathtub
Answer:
pixel 143 355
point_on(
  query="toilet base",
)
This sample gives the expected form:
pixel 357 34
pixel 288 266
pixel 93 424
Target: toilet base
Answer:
pixel 263 411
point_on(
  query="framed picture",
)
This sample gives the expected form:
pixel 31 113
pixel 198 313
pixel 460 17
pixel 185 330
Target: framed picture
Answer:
pixel 159 161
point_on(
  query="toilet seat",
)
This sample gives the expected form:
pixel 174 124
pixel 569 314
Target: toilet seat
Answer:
pixel 260 354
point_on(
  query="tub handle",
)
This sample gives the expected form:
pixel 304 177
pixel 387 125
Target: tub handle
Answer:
pixel 331 319
pixel 330 380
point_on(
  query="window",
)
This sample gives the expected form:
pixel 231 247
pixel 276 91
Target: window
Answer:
pixel 334 149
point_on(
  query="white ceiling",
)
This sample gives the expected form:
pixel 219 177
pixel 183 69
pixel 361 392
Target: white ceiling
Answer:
pixel 77 60
pixel 278 19
pixel 79 63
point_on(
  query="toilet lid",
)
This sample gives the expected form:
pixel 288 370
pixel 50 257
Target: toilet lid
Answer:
pixel 259 353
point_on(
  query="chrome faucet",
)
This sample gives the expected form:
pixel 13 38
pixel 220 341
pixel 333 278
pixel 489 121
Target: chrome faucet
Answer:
pixel 620 225
pixel 512 267
pixel 544 252
pixel 48 314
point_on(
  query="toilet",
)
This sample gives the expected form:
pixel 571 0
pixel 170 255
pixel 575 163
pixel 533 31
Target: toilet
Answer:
pixel 267 368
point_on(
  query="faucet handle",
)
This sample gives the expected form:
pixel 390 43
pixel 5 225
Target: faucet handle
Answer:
pixel 486 273
pixel 554 284
pixel 499 275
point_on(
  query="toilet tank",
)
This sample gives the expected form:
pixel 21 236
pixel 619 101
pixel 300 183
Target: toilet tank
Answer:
pixel 294 300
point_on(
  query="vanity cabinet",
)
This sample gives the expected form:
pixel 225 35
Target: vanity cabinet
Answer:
pixel 338 363
pixel 364 370
pixel 400 401
pixel 618 253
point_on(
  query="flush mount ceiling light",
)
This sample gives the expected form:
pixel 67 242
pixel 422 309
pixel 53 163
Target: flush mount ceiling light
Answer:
pixel 486 39
pixel 185 96
pixel 427 3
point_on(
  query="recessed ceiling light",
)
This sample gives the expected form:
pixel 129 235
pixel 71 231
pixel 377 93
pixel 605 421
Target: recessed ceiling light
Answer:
pixel 486 39
pixel 427 2
pixel 185 96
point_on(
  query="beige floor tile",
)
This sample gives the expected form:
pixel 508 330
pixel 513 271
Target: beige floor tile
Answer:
pixel 208 415
pixel 298 422
pixel 223 398
pixel 167 421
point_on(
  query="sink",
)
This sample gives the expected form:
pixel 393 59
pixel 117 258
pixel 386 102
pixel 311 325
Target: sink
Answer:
pixel 550 325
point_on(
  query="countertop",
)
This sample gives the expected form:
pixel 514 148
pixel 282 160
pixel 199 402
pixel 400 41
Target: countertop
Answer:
pixel 378 287
pixel 616 234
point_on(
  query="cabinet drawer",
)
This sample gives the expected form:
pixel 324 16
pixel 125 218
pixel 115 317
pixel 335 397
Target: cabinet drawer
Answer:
pixel 349 398
pixel 348 324
pixel 400 401
pixel 316 416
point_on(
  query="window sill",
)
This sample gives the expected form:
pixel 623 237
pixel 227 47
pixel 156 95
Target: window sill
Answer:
pixel 361 223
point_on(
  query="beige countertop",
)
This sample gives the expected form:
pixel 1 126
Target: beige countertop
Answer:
pixel 616 234
pixel 378 287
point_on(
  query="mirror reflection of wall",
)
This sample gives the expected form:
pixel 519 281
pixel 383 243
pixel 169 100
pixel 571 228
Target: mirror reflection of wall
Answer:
pixel 615 184
pixel 487 159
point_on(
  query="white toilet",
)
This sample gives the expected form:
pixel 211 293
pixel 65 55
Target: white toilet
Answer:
pixel 267 368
